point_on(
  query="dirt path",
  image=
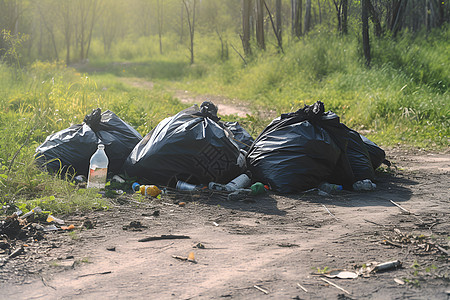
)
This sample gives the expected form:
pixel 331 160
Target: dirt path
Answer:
pixel 276 243
pixel 225 105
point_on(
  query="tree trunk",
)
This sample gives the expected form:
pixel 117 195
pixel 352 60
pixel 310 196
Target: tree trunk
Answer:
pixel 279 19
pixel 365 31
pixel 260 24
pixel 308 16
pixel 191 23
pixel 246 8
pixel 344 16
pixel 296 16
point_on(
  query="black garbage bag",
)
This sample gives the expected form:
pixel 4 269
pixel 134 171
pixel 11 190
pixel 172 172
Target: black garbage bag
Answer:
pixel 241 137
pixel 359 157
pixel 70 150
pixel 299 150
pixel 190 146
pixel 377 155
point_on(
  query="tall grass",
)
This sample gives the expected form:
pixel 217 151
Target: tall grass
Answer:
pixel 49 98
pixel 403 98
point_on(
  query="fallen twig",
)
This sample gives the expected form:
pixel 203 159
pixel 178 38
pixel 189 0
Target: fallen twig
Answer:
pixel 330 212
pixel 336 286
pixel 261 289
pixel 407 211
pixel 399 206
pixel 302 287
pixel 164 237
pixel 91 274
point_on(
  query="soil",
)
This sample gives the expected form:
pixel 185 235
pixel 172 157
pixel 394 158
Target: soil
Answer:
pixel 272 242
pixel 266 247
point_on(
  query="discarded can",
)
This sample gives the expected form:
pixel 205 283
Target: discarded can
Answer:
pixel 136 187
pixel 388 265
pixel 242 181
pixel 184 186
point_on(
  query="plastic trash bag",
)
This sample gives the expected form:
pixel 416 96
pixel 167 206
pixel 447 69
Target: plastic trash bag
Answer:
pixel 377 155
pixel 70 150
pixel 190 146
pixel 359 157
pixel 241 137
pixel 299 150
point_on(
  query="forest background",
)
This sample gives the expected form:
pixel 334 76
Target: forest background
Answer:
pixel 382 66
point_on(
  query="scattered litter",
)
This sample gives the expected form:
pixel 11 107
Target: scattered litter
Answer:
pixel 51 228
pixel 190 258
pixel 182 204
pixel 364 185
pixel 51 218
pixel 341 274
pixel 399 281
pixel 70 227
pixel 37 210
pixel 302 287
pixel 387 266
pixel 261 289
pixel 215 224
pixel 164 237
pixel 330 187
pixel 373 267
pixel 111 248
pixel 335 285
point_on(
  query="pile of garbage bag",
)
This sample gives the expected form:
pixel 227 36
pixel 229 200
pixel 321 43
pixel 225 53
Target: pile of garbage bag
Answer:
pixel 295 152
pixel 192 146
pixel 69 150
pixel 298 151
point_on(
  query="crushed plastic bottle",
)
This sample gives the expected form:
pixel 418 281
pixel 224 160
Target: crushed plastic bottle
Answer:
pixel 98 168
pixel 149 190
pixel 364 185
pixel 330 188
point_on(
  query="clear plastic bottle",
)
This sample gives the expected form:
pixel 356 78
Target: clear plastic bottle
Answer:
pixel 98 168
pixel 330 187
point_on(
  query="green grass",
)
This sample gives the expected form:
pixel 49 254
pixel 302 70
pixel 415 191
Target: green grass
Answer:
pixel 402 99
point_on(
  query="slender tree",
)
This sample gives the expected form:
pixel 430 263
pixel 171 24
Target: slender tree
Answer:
pixel 308 16
pixel 296 18
pixel 365 30
pixel 246 10
pixel 260 24
pixel 190 7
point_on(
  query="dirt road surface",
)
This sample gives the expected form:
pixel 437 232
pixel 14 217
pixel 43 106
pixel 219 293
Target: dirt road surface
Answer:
pixel 269 247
